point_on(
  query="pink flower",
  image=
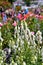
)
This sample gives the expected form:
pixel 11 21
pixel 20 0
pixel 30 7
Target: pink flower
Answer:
pixel 24 18
pixel 31 14
pixel 14 24
pixel 19 16
pixel 37 16
pixel 1 24
pixel 32 33
pixel 41 17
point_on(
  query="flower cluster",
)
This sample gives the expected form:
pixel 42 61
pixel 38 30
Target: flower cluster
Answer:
pixel 20 46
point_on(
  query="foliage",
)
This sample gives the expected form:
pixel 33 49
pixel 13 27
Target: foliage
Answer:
pixel 34 24
pixel 27 2
pixel 5 4
pixel 11 1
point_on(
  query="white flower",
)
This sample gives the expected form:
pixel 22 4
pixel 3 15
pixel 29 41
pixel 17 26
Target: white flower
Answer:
pixel 42 53
pixel 35 57
pixel 38 33
pixel 17 34
pixel 39 37
pixel 24 63
pixel 28 43
pixel 22 36
pixel 17 56
pixel 15 46
pixel 18 40
pixel 1 43
pixel 9 50
pixel 7 11
pixel 0 34
pixel 1 61
pixel 1 39
pixel 15 63
pixel 19 48
pixel 18 28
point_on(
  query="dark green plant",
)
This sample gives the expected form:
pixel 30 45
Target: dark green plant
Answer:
pixel 11 1
pixel 27 2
